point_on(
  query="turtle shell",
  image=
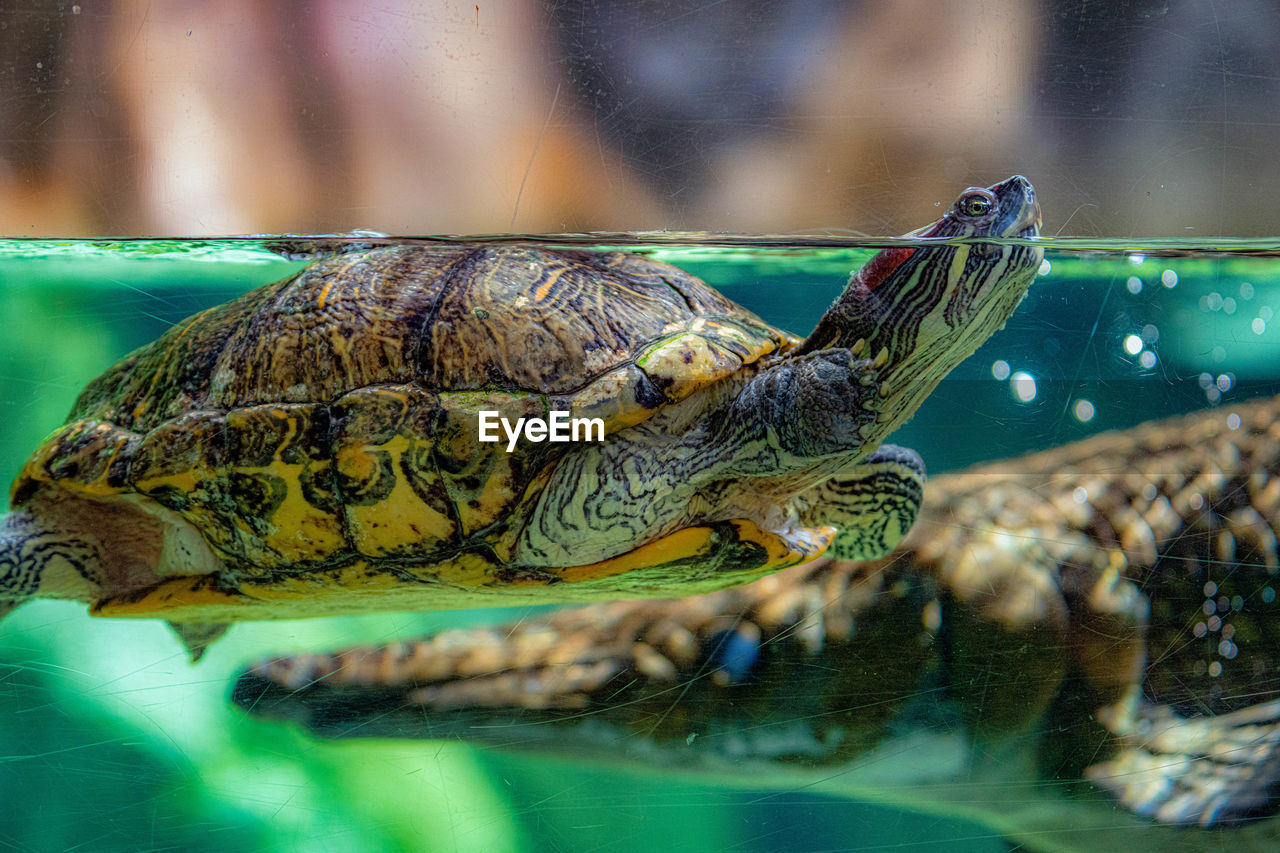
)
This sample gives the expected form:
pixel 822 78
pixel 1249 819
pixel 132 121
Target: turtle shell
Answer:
pixel 321 433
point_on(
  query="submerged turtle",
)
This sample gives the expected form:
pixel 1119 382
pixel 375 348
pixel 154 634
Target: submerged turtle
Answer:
pixel 314 446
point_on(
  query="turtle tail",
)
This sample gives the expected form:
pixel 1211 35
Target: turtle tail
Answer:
pixel 37 561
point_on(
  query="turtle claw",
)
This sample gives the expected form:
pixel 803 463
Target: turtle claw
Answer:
pixel 198 636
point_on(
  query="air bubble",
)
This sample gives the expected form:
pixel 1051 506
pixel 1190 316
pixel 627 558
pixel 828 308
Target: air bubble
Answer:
pixel 1246 290
pixel 1258 325
pixel 1045 266
pixel 1132 344
pixel 1083 411
pixel 1134 284
pixel 1000 370
pixel 1215 669
pixel 1210 589
pixel 1023 386
pixel 1147 359
pixel 1080 495
pixel 1169 278
pixel 1233 422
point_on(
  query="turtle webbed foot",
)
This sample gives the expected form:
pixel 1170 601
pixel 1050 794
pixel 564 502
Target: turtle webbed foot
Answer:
pixel 1208 771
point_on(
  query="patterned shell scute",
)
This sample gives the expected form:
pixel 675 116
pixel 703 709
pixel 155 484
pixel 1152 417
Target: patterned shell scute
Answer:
pixel 553 322
pixel 340 324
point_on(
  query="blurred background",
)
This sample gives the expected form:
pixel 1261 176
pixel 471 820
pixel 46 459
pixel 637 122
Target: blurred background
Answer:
pixel 1133 118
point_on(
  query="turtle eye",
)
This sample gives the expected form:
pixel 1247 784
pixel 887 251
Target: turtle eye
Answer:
pixel 975 204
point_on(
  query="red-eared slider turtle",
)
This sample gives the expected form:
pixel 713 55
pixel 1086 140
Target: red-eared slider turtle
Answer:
pixel 313 447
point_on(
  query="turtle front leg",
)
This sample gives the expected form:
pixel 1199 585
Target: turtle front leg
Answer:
pixel 873 503
pixel 800 413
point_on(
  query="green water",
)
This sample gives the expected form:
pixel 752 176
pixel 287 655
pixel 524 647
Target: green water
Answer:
pixel 113 742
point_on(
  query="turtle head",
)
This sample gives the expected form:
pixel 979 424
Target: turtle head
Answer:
pixel 919 310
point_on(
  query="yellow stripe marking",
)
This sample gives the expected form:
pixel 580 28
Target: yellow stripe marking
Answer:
pixel 545 288
pixel 334 278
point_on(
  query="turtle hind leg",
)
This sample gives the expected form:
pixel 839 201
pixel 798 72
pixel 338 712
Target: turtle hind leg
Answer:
pixel 37 561
pixel 873 503
pixel 1208 771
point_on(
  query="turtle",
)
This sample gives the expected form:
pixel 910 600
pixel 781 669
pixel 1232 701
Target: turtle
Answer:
pixel 315 446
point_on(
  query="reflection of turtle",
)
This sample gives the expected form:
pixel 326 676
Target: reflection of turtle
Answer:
pixel 313 447
pixel 1103 611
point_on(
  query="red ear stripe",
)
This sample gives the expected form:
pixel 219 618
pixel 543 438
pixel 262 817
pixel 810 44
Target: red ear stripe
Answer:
pixel 882 266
